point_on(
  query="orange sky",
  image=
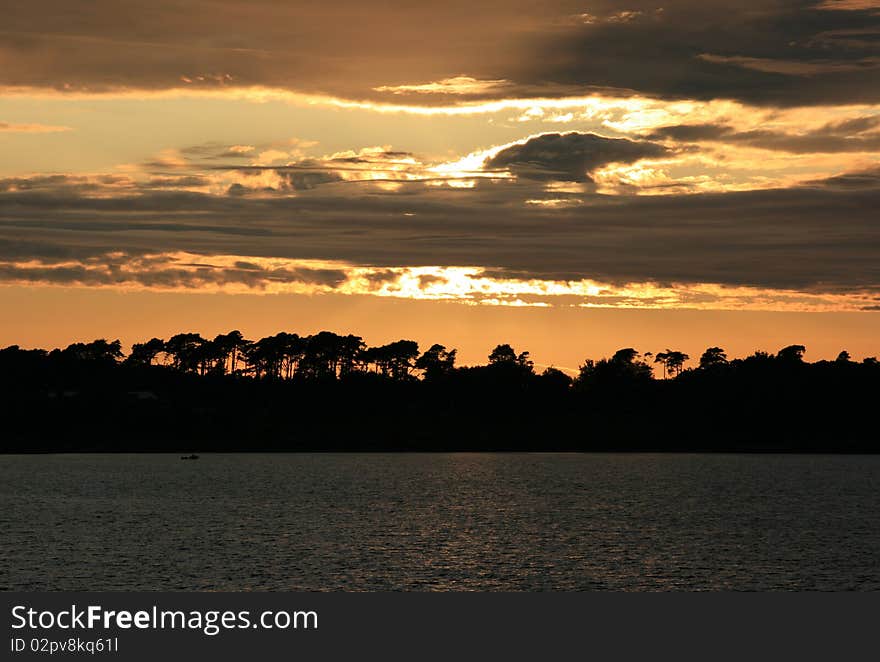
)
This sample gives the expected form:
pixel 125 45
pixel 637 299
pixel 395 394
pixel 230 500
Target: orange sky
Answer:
pixel 165 167
pixel 48 317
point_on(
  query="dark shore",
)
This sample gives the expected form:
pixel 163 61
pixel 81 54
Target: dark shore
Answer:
pixel 157 410
pixel 89 398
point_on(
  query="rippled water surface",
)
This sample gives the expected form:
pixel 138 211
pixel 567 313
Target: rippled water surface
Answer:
pixel 439 522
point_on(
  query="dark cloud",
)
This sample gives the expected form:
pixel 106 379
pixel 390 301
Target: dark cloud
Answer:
pixel 237 190
pixel 123 269
pixel 346 47
pixel 215 151
pixel 868 179
pixel 291 180
pixel 186 181
pixel 302 174
pixel 819 237
pixel 48 182
pixel 854 135
pixel 691 132
pixel 570 156
pixel 307 180
pixel 383 156
pixel 774 52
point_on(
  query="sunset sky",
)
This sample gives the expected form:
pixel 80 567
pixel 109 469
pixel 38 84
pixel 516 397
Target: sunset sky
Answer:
pixel 569 177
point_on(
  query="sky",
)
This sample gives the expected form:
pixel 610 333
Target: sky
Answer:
pixel 568 177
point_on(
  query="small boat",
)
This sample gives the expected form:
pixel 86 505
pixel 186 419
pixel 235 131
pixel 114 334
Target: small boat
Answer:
pixel 189 457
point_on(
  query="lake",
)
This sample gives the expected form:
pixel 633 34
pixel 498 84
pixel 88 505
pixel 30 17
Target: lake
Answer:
pixel 440 522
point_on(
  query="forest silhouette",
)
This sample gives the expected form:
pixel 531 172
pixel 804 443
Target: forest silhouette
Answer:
pixel 330 392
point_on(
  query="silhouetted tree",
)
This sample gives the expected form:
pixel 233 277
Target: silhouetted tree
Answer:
pixel 146 353
pixel 712 358
pixel 436 362
pixel 502 354
pixel 329 355
pixel 554 380
pixel 350 348
pixel 506 356
pixel 662 358
pixel 230 346
pixel 98 350
pixel 626 366
pixel 274 357
pixel 791 354
pixel 672 361
pixel 184 350
pixel 394 360
pixel 758 357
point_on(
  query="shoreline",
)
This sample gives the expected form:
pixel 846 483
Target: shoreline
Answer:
pixel 432 451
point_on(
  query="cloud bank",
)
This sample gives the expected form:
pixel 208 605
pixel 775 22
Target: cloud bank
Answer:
pixel 782 53
pixel 816 239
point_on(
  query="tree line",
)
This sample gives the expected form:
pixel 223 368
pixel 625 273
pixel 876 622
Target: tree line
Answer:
pixel 280 356
pixel 329 391
pixel 327 355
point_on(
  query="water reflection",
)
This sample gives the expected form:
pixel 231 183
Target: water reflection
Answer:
pixel 439 522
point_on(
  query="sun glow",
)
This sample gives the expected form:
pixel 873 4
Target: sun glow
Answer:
pixel 234 274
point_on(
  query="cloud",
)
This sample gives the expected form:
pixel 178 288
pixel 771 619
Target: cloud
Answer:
pixel 471 285
pixel 762 53
pixel 570 156
pixel 864 180
pixel 343 48
pixel 768 53
pixel 817 239
pixel 217 151
pixel 176 271
pixel 270 156
pixel 623 16
pixel 849 5
pixel 464 85
pixel 377 166
pixel 793 67
pixel 858 134
pixel 5 127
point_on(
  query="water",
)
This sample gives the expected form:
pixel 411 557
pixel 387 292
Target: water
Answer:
pixel 439 522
